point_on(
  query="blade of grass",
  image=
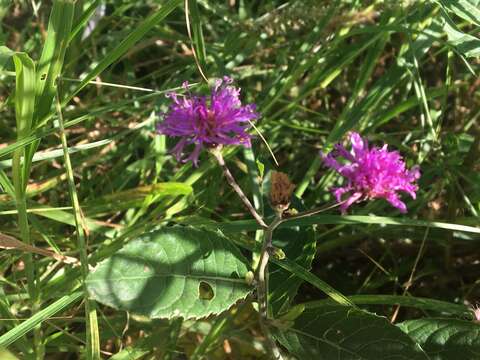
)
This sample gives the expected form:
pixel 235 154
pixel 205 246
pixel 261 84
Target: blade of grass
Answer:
pixel 409 301
pixel 93 337
pixel 86 15
pixel 47 155
pixel 126 44
pixel 299 271
pixel 24 111
pixel 249 225
pixel 28 325
pixel 53 54
pixel 307 276
pixel 197 41
pixel 118 51
pixel 49 67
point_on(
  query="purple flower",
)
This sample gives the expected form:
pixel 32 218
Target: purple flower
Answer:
pixel 371 173
pixel 219 119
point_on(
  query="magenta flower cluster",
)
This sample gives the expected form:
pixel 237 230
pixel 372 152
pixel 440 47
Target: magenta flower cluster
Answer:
pixel 221 119
pixel 371 173
pixel 201 121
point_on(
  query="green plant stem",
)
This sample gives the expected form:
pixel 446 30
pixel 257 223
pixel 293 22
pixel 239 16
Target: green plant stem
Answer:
pixel 262 272
pixel 93 341
pixel 21 203
pixel 262 285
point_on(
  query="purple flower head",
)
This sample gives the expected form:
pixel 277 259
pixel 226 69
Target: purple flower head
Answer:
pixel 202 121
pixel 371 173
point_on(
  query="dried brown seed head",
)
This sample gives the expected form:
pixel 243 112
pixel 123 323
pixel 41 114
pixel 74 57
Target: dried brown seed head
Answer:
pixel 281 190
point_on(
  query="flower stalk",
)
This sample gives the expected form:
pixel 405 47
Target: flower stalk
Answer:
pixel 217 153
pixel 267 247
pixel 262 284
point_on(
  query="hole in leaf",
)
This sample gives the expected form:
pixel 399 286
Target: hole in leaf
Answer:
pixel 207 254
pixel 205 291
pixel 234 275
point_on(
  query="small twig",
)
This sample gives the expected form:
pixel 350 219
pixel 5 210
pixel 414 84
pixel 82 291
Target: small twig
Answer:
pixel 217 152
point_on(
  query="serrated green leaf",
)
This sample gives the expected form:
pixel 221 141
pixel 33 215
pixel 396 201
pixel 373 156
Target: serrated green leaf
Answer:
pixel 166 273
pixel 339 332
pixel 445 339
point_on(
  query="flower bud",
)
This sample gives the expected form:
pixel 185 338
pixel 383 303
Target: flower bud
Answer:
pixel 280 191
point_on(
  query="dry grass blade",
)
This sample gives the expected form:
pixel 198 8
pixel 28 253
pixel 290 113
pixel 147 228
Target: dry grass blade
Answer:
pixel 8 242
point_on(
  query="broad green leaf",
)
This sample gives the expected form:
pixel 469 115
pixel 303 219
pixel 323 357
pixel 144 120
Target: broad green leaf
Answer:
pixel 284 263
pixel 173 272
pixel 445 339
pixel 338 332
